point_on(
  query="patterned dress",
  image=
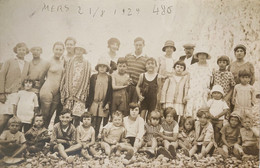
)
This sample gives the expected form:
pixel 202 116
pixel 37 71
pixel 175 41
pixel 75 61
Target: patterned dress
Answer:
pixel 200 77
pixel 224 79
pixel 74 85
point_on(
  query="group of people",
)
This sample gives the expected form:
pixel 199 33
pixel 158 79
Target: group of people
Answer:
pixel 145 104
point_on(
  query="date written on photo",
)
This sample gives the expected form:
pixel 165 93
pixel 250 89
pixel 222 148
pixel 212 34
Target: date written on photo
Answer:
pixel 102 12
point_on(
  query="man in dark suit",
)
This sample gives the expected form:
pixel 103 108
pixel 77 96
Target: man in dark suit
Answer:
pixel 189 57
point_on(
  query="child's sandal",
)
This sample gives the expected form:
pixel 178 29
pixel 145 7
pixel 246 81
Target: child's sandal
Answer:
pixel 150 152
pixel 164 152
pixel 172 150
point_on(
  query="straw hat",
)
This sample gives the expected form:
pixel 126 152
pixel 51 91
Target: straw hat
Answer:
pixel 202 52
pixel 169 43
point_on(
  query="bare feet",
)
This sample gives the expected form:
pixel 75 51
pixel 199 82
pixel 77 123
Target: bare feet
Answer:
pixel 70 159
pixel 85 154
pixel 129 154
pixel 222 153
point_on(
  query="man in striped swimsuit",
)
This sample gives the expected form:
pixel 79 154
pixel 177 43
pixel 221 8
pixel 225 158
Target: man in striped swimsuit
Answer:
pixel 136 65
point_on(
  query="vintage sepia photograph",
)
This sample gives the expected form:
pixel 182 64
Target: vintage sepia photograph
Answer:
pixel 129 83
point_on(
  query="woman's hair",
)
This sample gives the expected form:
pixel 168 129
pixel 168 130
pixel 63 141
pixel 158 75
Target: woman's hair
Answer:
pixel 181 63
pixel 19 45
pixel 28 80
pixel 65 111
pixel 190 120
pixel 151 59
pixel 243 73
pixel 58 43
pixel 70 38
pixel 112 41
pixel 139 39
pixel 121 60
pixel 203 111
pixel 133 105
pixel 169 110
pixel 14 120
pixel 117 114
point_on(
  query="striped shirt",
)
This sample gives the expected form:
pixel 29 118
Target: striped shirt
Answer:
pixel 136 66
pixel 169 129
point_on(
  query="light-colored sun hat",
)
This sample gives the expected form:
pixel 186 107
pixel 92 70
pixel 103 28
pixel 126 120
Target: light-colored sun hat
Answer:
pixel 217 88
pixel 202 52
pixel 169 43
pixel 103 61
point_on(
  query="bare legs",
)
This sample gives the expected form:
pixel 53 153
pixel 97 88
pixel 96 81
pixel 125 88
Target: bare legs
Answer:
pixel 49 104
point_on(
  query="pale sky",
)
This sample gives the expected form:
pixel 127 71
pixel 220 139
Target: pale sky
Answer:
pixel 198 21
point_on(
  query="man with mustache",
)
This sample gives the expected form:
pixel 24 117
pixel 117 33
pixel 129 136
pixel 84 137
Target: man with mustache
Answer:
pixel 188 58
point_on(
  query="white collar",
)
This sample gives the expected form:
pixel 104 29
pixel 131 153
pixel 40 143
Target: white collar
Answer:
pixel 142 54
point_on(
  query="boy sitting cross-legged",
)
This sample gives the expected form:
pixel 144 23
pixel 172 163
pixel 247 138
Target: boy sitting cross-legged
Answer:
pixel 63 138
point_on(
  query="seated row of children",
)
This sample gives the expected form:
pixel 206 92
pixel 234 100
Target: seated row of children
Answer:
pixel 160 135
